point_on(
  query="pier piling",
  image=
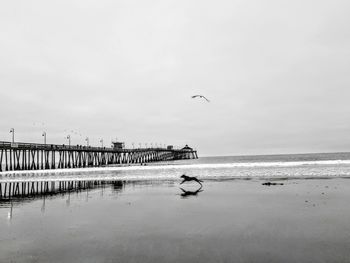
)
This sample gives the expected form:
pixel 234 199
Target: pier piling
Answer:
pixel 30 156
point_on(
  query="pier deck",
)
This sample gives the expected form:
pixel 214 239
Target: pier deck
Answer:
pixel 33 156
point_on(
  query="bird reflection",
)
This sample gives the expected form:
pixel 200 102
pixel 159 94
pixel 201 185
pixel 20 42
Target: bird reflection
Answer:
pixel 186 193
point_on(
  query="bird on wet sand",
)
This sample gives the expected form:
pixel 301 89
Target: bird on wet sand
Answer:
pixel 200 96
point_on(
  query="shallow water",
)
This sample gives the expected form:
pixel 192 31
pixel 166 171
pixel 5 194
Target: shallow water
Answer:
pixel 155 221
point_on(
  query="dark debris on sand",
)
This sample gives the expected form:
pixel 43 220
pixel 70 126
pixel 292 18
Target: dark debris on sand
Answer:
pixel 269 183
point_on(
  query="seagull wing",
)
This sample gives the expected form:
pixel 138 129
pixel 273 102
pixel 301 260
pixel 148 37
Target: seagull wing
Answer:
pixel 205 99
pixel 200 96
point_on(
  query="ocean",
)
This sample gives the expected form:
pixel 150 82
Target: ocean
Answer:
pixel 290 166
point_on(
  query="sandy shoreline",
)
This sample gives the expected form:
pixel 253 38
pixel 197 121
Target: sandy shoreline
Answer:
pixel 230 221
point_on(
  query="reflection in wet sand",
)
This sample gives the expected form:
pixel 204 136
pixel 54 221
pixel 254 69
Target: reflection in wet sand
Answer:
pixel 26 191
pixel 186 193
pixel 231 221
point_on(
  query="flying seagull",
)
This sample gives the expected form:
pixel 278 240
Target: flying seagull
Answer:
pixel 200 96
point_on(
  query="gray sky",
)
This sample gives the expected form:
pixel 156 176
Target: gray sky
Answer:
pixel 277 73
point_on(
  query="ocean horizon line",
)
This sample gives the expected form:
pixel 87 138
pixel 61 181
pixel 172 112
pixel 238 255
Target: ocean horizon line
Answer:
pixel 271 154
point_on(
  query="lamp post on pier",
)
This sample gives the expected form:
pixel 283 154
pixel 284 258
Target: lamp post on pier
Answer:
pixel 68 138
pixel 13 134
pixel 87 141
pixel 101 141
pixel 44 135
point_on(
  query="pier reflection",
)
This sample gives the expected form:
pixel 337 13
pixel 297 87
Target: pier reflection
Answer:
pixel 26 191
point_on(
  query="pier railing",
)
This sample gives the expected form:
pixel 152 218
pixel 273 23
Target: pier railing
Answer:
pixel 34 156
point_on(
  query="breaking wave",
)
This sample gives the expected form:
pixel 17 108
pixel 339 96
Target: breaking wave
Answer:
pixel 190 166
pixel 163 171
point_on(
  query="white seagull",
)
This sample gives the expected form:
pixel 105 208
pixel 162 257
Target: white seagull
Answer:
pixel 200 96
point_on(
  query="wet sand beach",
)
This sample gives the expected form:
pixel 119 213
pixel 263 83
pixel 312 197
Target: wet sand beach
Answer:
pixel 303 220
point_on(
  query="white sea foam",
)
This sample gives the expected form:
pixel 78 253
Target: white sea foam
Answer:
pixel 180 167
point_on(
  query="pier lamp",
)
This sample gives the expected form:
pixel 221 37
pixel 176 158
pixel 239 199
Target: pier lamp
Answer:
pixel 13 134
pixel 87 141
pixel 44 135
pixel 133 145
pixel 101 141
pixel 68 138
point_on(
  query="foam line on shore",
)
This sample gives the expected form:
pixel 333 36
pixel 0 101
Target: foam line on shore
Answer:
pixel 179 167
pixel 171 178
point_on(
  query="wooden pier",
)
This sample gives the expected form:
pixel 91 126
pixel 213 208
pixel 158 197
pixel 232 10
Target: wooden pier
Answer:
pixel 30 156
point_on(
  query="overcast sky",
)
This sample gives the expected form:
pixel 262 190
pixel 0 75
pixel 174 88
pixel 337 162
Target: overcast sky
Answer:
pixel 277 73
